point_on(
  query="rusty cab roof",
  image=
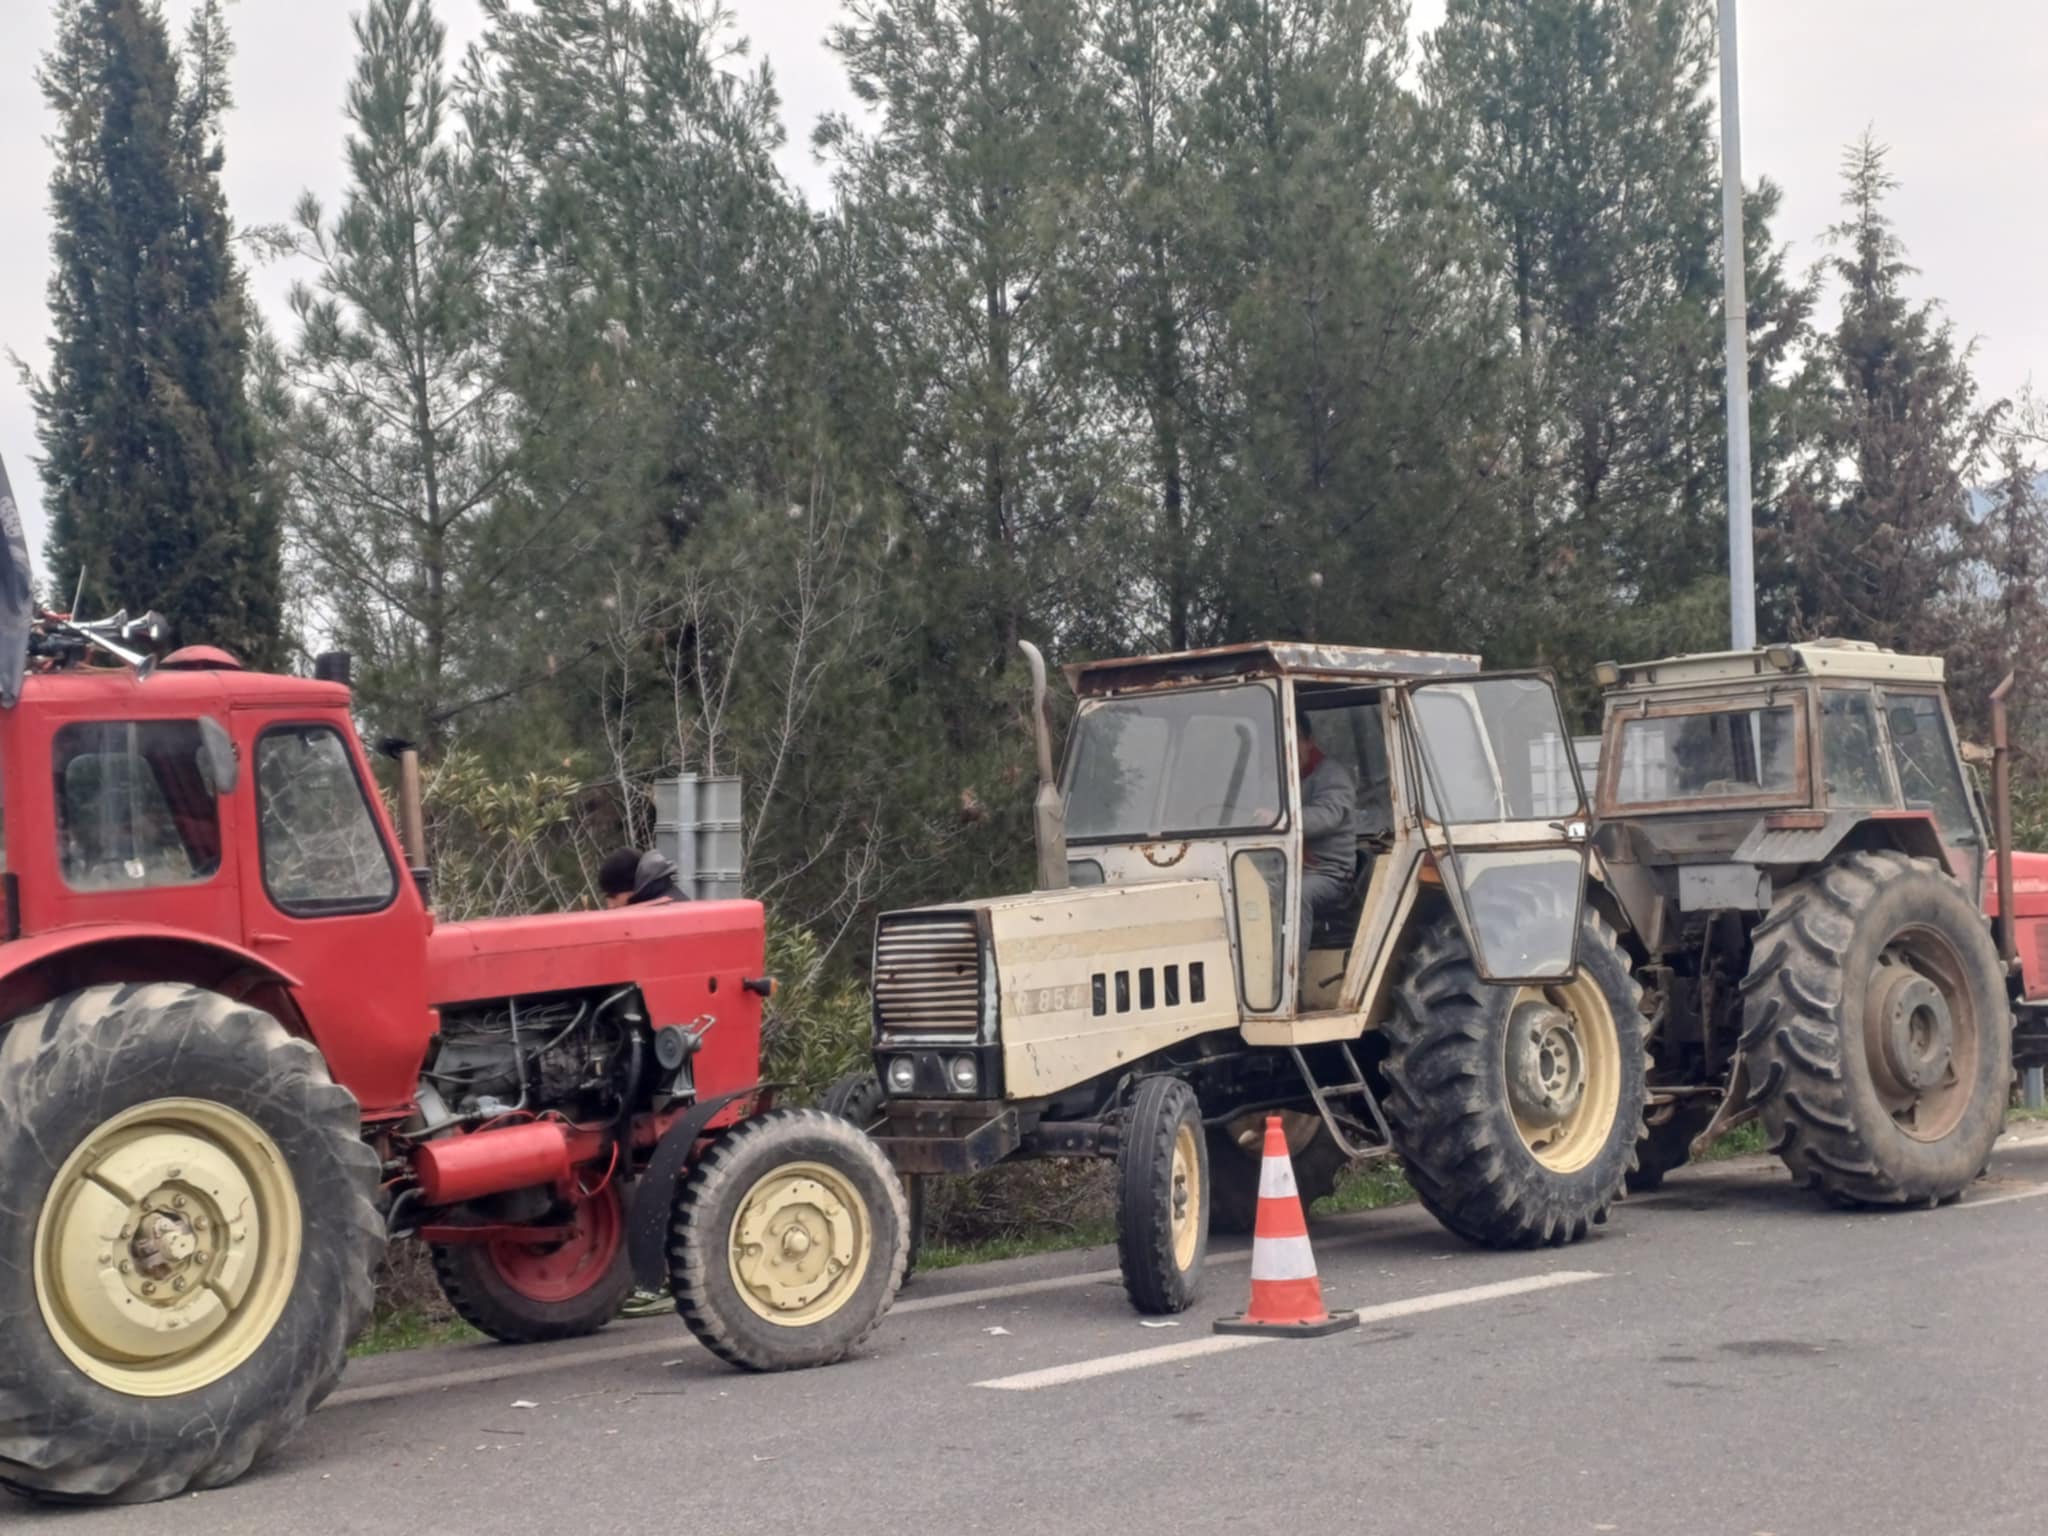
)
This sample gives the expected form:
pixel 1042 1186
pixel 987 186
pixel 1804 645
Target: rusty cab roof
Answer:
pixel 1840 660
pixel 1262 658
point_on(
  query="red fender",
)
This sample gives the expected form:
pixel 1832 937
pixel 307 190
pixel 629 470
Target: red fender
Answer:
pixel 34 970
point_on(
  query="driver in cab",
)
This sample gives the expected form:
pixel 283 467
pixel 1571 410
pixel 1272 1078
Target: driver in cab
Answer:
pixel 1329 840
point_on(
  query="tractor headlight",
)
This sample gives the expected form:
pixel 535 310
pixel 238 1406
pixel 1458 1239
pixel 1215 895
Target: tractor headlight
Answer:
pixel 964 1076
pixel 902 1074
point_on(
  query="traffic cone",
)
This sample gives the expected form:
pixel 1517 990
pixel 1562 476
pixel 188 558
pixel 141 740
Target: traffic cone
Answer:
pixel 1287 1299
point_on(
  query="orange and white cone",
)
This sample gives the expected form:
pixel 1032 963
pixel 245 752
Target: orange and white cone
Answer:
pixel 1287 1298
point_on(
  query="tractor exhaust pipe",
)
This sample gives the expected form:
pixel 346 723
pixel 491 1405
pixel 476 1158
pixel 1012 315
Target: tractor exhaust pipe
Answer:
pixel 2001 819
pixel 1049 813
pixel 412 818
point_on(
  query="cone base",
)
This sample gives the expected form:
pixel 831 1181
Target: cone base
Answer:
pixel 1336 1322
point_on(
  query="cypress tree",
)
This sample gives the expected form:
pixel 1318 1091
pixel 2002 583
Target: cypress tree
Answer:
pixel 151 449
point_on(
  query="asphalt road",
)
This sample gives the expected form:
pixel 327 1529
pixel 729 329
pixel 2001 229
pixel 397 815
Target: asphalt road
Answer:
pixel 1723 1357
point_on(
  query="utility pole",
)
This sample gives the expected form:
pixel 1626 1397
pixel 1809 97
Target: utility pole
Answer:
pixel 1735 300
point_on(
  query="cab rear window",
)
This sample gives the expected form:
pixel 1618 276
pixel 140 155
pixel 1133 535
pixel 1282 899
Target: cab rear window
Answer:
pixel 135 808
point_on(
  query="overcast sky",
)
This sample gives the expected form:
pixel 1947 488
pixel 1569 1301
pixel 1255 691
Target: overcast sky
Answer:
pixel 1956 89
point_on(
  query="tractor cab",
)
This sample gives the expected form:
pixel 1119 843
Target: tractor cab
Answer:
pixel 1719 771
pixel 225 823
pixel 1219 765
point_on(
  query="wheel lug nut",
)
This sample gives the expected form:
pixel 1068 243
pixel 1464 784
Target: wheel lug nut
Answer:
pixel 127 1268
pixel 178 1285
pixel 149 1287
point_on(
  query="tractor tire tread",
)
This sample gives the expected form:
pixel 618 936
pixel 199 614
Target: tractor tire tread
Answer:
pixel 1153 1279
pixel 1451 1124
pixel 65 1439
pixel 699 1275
pixel 1807 1082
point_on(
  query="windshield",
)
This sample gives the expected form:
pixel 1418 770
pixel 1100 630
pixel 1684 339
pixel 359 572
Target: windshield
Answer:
pixel 1708 755
pixel 1176 765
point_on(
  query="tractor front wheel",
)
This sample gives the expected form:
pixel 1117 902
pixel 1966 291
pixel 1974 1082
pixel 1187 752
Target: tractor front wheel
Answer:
pixel 789 1241
pixel 1877 1032
pixel 527 1293
pixel 1162 1180
pixel 191 1244
pixel 1516 1110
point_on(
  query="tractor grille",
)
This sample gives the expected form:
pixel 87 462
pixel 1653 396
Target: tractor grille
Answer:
pixel 928 976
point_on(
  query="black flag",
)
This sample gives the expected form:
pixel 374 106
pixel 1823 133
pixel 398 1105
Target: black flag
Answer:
pixel 17 595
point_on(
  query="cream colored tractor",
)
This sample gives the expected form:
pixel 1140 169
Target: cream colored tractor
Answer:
pixel 1467 1010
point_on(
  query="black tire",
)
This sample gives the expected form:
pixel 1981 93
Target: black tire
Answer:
pixel 713 1199
pixel 484 1284
pixel 1665 1146
pixel 1830 1092
pixel 68 1071
pixel 1162 1268
pixel 1448 1102
pixel 1234 1175
pixel 858 1097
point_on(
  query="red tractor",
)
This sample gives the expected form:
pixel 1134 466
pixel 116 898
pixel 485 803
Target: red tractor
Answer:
pixel 237 1053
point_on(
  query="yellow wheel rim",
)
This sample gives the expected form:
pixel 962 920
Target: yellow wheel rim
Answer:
pixel 800 1244
pixel 1564 1072
pixel 1187 1196
pixel 167 1247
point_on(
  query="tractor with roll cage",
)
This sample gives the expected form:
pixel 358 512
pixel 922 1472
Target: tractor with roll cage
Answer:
pixel 238 1053
pixel 1836 933
pixel 1468 1010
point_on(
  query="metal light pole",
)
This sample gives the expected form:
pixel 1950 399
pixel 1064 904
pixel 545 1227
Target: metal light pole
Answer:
pixel 1741 551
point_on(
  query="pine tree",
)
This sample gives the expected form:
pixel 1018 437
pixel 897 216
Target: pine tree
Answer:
pixel 1876 532
pixel 972 180
pixel 1583 133
pixel 152 452
pixel 399 448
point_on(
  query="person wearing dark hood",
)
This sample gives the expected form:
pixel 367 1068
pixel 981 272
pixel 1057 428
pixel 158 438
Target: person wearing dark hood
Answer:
pixel 630 878
pixel 1329 838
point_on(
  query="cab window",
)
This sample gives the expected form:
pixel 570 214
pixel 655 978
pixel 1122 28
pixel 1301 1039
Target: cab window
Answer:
pixel 135 807
pixel 1852 765
pixel 322 852
pixel 1930 777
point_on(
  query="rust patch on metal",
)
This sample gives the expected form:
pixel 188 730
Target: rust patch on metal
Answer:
pixel 1164 855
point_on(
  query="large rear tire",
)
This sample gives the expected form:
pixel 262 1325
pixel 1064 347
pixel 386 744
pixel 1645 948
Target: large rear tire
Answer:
pixel 1162 1178
pixel 192 1236
pixel 1877 1030
pixel 1237 1154
pixel 1536 1154
pixel 531 1293
pixel 789 1241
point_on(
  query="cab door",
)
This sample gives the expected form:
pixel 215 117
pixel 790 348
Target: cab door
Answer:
pixel 1503 816
pixel 1930 774
pixel 327 903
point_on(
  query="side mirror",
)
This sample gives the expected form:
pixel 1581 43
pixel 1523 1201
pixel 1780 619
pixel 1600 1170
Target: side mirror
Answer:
pixel 218 761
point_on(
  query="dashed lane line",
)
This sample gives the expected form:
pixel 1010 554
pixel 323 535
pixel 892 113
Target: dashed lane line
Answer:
pixel 1195 1349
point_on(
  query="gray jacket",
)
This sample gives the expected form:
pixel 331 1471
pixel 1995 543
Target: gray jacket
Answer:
pixel 1329 812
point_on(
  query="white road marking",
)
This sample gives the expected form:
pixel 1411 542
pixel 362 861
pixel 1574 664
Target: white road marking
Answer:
pixel 1194 1349
pixel 673 1341
pixel 2032 1192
